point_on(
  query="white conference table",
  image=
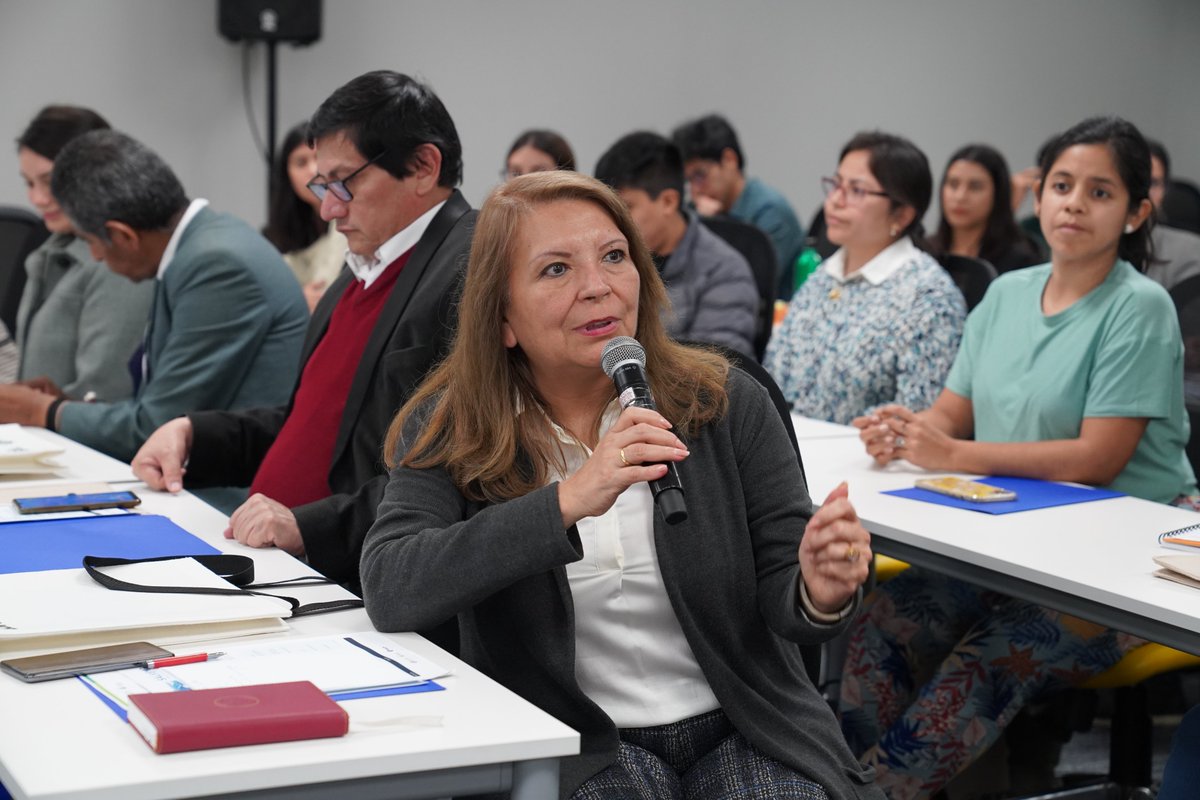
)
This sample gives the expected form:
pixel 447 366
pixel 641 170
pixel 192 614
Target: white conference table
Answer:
pixel 58 742
pixel 79 464
pixel 808 428
pixel 1093 560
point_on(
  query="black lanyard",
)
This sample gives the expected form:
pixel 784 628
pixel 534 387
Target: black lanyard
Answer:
pixel 238 570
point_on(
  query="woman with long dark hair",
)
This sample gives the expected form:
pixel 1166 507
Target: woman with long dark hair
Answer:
pixel 312 247
pixel 977 218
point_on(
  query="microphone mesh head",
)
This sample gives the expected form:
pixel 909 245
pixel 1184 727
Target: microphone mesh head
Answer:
pixel 620 350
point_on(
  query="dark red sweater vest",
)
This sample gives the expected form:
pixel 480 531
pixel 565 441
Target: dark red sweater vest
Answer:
pixel 296 468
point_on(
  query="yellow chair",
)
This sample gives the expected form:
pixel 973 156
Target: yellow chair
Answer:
pixel 1142 663
pixel 887 568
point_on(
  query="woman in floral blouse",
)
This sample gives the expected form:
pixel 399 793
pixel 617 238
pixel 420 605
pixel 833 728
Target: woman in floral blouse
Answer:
pixel 880 321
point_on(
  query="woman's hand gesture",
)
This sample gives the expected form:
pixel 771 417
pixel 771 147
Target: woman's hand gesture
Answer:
pixel 894 431
pixel 835 553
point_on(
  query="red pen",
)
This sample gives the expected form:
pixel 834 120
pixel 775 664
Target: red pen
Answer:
pixel 175 661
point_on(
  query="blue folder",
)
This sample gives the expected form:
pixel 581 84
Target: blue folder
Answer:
pixel 416 688
pixel 40 545
pixel 1031 494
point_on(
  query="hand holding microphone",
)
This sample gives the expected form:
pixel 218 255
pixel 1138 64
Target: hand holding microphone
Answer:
pixel 639 447
pixel 624 360
pixel 633 450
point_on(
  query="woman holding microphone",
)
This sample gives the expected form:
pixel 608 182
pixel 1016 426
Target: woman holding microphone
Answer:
pixel 518 504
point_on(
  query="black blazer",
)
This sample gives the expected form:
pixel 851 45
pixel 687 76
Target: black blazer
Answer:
pixel 412 334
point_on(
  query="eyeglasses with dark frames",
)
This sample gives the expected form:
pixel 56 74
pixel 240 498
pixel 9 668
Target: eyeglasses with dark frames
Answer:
pixel 697 174
pixel 338 187
pixel 854 193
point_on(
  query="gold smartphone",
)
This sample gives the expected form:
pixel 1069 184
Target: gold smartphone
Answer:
pixel 963 489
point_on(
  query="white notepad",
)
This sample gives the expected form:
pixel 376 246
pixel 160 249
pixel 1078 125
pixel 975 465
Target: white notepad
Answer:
pixel 23 453
pixel 65 608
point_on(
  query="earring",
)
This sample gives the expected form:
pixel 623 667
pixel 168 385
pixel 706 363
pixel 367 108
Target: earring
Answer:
pixel 1129 227
pixel 894 230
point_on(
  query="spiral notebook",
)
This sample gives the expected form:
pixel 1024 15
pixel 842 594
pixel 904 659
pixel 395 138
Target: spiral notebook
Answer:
pixel 1187 538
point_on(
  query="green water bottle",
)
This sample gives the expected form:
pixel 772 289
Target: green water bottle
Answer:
pixel 806 263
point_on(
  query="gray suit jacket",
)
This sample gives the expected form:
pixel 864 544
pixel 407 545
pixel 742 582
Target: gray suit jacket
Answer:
pixel 730 571
pixel 79 322
pixel 225 332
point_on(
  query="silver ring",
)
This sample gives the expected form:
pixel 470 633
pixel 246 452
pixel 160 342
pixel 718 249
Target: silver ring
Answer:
pixel 899 442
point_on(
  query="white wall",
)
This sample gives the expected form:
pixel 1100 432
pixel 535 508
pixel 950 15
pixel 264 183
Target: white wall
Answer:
pixel 797 77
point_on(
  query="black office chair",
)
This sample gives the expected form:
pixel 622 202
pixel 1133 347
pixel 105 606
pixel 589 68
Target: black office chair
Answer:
pixel 816 236
pixel 1181 206
pixel 810 654
pixel 21 232
pixel 760 374
pixel 971 275
pixel 755 246
pixel 1186 296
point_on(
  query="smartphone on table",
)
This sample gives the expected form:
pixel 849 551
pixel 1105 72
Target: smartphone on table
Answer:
pixel 963 489
pixel 76 502
pixel 34 669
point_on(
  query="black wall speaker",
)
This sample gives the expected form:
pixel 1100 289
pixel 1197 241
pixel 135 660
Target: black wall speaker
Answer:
pixel 297 21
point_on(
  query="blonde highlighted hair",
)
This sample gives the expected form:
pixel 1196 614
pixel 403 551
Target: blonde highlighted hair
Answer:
pixel 471 404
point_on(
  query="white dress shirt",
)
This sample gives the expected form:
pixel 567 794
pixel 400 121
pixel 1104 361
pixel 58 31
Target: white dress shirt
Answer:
pixel 884 265
pixel 173 243
pixel 368 268
pixel 631 655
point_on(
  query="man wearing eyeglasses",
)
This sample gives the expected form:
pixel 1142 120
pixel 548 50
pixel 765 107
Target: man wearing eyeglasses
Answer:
pixel 388 159
pixel 714 168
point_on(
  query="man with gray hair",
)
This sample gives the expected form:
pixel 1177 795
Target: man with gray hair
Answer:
pixel 228 318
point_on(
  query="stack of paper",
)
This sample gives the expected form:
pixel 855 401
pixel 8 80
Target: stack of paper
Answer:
pixel 1180 569
pixel 346 667
pixel 24 453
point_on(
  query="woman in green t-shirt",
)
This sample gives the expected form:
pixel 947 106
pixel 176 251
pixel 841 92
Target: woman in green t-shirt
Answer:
pixel 1061 376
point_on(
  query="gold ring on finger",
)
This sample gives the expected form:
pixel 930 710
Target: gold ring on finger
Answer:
pixel 852 554
pixel 623 459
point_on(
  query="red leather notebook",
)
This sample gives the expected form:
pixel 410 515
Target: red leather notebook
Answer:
pixel 200 719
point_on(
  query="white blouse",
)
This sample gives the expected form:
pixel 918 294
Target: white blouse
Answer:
pixel 631 655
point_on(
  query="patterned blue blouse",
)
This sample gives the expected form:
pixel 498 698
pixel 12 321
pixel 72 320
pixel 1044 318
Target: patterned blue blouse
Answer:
pixel 888 334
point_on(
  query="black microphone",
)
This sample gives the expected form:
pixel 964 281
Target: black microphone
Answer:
pixel 624 360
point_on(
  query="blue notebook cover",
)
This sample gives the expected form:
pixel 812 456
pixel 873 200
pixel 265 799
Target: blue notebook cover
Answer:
pixel 1031 494
pixel 40 545
pixel 416 688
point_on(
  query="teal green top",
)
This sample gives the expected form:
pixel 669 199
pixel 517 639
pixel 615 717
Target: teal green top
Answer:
pixel 1116 352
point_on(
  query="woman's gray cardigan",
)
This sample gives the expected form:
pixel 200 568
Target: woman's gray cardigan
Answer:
pixel 730 572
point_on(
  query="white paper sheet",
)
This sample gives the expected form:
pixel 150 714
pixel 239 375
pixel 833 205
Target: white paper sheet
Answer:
pixel 332 663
